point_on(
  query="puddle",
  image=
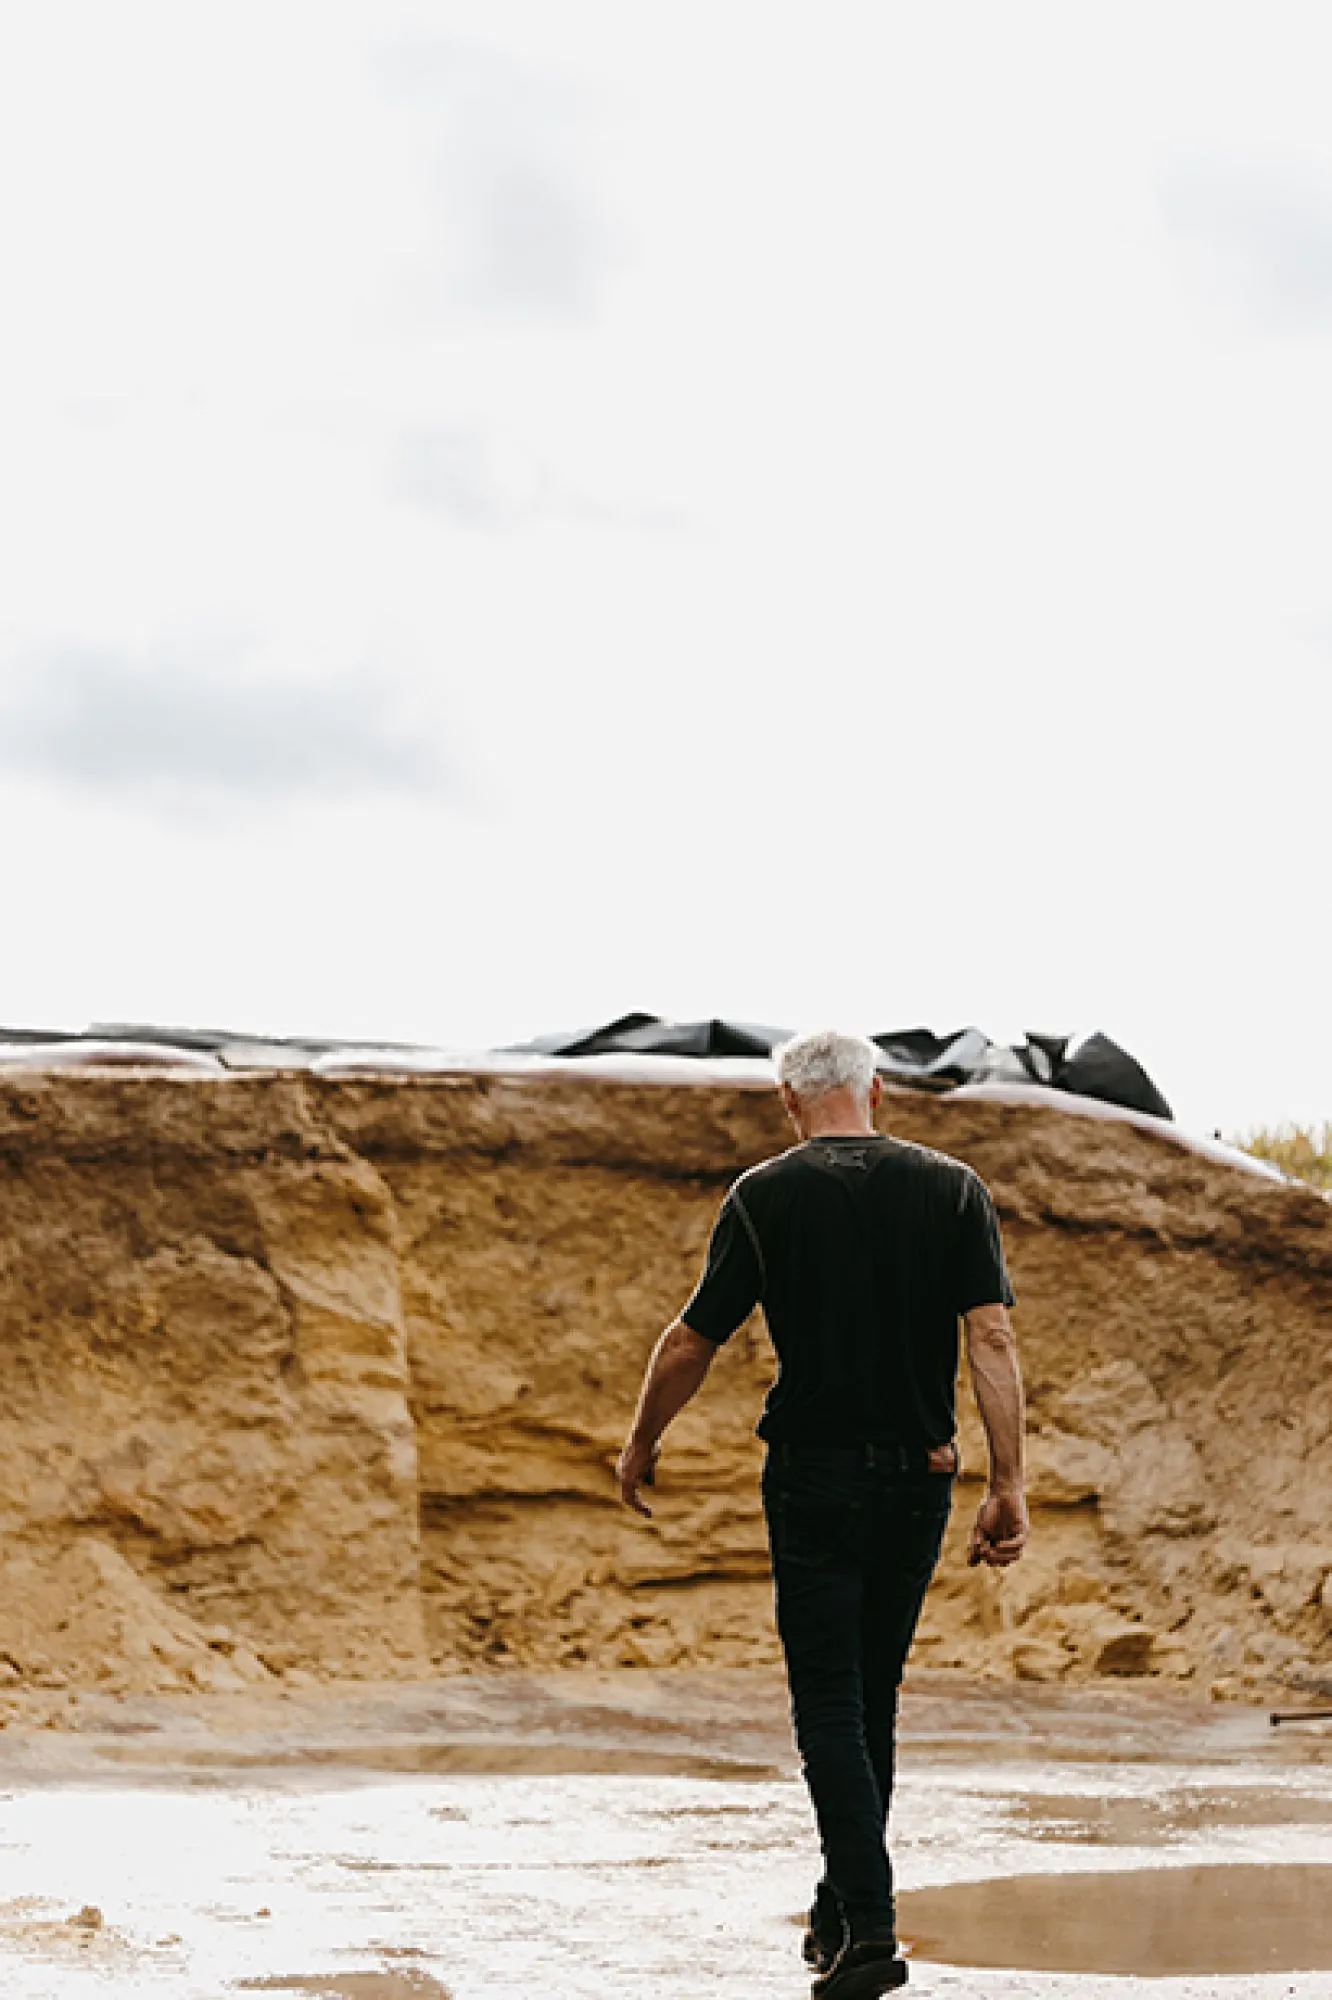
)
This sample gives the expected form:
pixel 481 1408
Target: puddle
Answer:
pixel 578 1887
pixel 1161 1818
pixel 487 1758
pixel 1162 1922
pixel 354 1985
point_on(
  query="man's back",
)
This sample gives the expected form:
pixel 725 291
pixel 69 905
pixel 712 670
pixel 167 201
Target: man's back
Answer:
pixel 863 1252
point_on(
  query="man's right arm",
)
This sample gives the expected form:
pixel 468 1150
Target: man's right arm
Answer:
pixel 725 1296
pixel 1001 1528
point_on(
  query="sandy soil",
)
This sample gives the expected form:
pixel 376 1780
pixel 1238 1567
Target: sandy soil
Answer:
pixel 325 1378
pixel 645 1833
pixel 328 1663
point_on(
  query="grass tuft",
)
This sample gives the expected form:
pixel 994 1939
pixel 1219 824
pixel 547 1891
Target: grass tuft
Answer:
pixel 1304 1151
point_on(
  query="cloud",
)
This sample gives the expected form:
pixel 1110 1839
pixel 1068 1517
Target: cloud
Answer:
pixel 461 473
pixel 479 481
pixel 1263 228
pixel 518 228
pixel 182 732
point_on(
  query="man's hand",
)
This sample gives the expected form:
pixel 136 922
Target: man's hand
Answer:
pixel 1001 1530
pixel 680 1360
pixel 636 1466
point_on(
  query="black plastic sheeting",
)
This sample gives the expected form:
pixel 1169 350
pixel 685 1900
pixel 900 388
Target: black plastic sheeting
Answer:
pixel 1098 1067
pixel 1092 1066
pixel 647 1035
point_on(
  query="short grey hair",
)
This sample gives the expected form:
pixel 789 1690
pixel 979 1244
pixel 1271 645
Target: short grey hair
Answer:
pixel 814 1064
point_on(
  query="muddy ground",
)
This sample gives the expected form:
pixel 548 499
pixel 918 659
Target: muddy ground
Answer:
pixel 645 1834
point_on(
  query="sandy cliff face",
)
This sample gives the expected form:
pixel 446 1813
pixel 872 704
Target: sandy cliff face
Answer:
pixel 328 1375
pixel 203 1411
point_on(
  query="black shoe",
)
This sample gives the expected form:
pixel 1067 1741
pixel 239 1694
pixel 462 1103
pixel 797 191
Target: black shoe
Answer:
pixel 827 1929
pixel 862 1972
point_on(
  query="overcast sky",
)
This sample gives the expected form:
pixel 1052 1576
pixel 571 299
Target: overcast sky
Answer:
pixel 513 513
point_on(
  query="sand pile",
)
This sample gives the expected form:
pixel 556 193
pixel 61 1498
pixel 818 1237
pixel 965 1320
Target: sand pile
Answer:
pixel 326 1375
pixel 84 1612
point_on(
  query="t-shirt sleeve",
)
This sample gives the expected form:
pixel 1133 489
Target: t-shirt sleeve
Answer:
pixel 982 1276
pixel 732 1278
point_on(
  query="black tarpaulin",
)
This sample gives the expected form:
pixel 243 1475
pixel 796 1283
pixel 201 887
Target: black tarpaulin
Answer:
pixel 1098 1067
pixel 1092 1067
pixel 648 1034
pixel 915 1055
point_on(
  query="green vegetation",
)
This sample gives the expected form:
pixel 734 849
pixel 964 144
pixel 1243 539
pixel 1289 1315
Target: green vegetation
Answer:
pixel 1305 1151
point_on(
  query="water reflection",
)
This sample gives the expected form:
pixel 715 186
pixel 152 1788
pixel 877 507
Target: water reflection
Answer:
pixel 1164 1922
pixel 662 1888
pixel 354 1985
pixel 1160 1818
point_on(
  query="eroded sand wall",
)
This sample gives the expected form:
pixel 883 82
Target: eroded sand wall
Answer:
pixel 327 1375
pixel 203 1389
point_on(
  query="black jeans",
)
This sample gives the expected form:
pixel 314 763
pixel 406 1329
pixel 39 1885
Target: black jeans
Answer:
pixel 855 1534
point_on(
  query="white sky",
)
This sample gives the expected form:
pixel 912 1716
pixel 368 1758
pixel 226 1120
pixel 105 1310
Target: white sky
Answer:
pixel 513 513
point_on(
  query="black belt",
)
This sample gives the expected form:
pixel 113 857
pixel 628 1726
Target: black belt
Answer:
pixel 886 1454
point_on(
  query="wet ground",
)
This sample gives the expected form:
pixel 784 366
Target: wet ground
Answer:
pixel 1219 1917
pixel 644 1835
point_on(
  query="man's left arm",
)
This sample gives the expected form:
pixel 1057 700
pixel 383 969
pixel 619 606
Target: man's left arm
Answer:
pixel 680 1360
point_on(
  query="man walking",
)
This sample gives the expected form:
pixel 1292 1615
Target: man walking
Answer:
pixel 864 1252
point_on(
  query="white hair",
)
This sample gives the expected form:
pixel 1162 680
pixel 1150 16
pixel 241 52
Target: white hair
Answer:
pixel 812 1065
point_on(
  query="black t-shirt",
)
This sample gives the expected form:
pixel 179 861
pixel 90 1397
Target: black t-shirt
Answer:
pixel 863 1252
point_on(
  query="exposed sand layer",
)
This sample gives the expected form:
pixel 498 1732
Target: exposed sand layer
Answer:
pixel 323 1377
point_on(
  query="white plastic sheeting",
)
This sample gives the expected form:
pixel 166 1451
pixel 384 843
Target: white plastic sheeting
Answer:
pixel 1118 1114
pixel 675 1072
pixel 100 1055
pixel 751 1071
